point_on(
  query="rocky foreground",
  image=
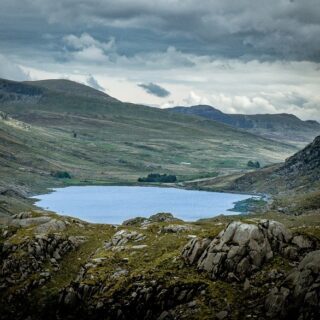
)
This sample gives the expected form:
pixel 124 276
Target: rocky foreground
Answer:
pixel 159 268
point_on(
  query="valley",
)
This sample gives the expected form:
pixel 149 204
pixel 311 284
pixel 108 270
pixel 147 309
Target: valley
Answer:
pixel 58 133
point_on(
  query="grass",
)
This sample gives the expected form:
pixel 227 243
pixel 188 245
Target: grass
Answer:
pixel 116 142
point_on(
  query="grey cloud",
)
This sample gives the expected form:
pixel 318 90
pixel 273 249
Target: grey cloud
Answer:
pixel 285 29
pixel 12 71
pixel 92 82
pixel 154 89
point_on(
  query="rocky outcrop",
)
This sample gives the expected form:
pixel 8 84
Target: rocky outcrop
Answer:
pixel 122 237
pixel 53 225
pixel 142 300
pixel 242 248
pixel 159 217
pixel 299 295
pixel 176 228
pixel 26 222
pixel 20 261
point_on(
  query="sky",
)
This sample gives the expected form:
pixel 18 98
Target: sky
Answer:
pixel 241 56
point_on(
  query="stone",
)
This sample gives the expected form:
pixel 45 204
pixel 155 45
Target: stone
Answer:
pixel 164 316
pixel 176 228
pixel 302 242
pixel 194 249
pixel 241 248
pixel 246 285
pixel 139 247
pixel 222 315
pixel 51 226
pixel 192 304
pixel 29 221
pixel 300 291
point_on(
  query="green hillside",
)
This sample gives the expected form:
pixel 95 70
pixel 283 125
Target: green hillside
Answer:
pixel 59 125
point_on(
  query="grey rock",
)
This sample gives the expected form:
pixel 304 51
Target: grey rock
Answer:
pixel 222 315
pixel 176 228
pixel 241 249
pixel 194 249
pixel 302 242
pixel 29 221
pixel 53 225
pixel 300 293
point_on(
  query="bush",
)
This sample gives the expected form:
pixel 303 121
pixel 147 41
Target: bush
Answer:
pixel 61 174
pixel 157 177
pixel 253 164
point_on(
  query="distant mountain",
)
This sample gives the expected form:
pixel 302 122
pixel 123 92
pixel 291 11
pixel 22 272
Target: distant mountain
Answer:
pixel 282 127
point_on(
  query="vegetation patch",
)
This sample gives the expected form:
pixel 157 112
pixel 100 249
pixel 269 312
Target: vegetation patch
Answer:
pixel 61 174
pixel 157 177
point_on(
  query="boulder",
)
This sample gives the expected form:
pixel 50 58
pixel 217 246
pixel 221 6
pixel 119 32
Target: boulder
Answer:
pixel 176 228
pixel 122 237
pixel 299 294
pixel 241 248
pixel 194 249
pixel 27 222
pixel 53 225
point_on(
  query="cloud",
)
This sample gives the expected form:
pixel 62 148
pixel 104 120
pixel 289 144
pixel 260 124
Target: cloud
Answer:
pixel 88 49
pixel 283 29
pixel 305 107
pixel 12 71
pixel 241 56
pixel 92 82
pixel 154 89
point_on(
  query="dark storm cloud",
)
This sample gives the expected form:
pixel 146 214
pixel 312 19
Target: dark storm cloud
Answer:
pixel 275 29
pixel 154 89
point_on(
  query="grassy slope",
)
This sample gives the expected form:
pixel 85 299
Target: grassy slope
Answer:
pixel 116 142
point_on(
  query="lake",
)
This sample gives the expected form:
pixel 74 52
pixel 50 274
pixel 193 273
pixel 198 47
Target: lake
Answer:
pixel 114 204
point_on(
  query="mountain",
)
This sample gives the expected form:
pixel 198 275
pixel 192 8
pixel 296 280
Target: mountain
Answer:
pixel 281 127
pixel 299 173
pixel 58 125
pixel 58 267
pixel 293 184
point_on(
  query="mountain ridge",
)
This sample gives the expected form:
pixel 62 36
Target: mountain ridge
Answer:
pixel 281 127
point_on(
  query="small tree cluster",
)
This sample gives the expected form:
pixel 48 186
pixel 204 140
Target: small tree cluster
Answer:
pixel 61 174
pixel 157 177
pixel 253 164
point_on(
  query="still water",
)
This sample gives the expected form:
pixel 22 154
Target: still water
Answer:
pixel 114 204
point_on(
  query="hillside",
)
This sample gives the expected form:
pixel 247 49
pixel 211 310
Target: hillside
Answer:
pixel 281 127
pixel 299 172
pixel 294 184
pixel 98 139
pixel 58 267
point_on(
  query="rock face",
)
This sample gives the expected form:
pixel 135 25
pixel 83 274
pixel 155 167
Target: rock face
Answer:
pixel 300 293
pixel 20 261
pixel 243 248
pixel 144 300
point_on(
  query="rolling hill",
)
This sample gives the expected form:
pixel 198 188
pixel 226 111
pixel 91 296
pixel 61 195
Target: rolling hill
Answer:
pixel 59 125
pixel 281 127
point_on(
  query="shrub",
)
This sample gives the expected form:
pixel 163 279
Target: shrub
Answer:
pixel 253 164
pixel 157 177
pixel 61 174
